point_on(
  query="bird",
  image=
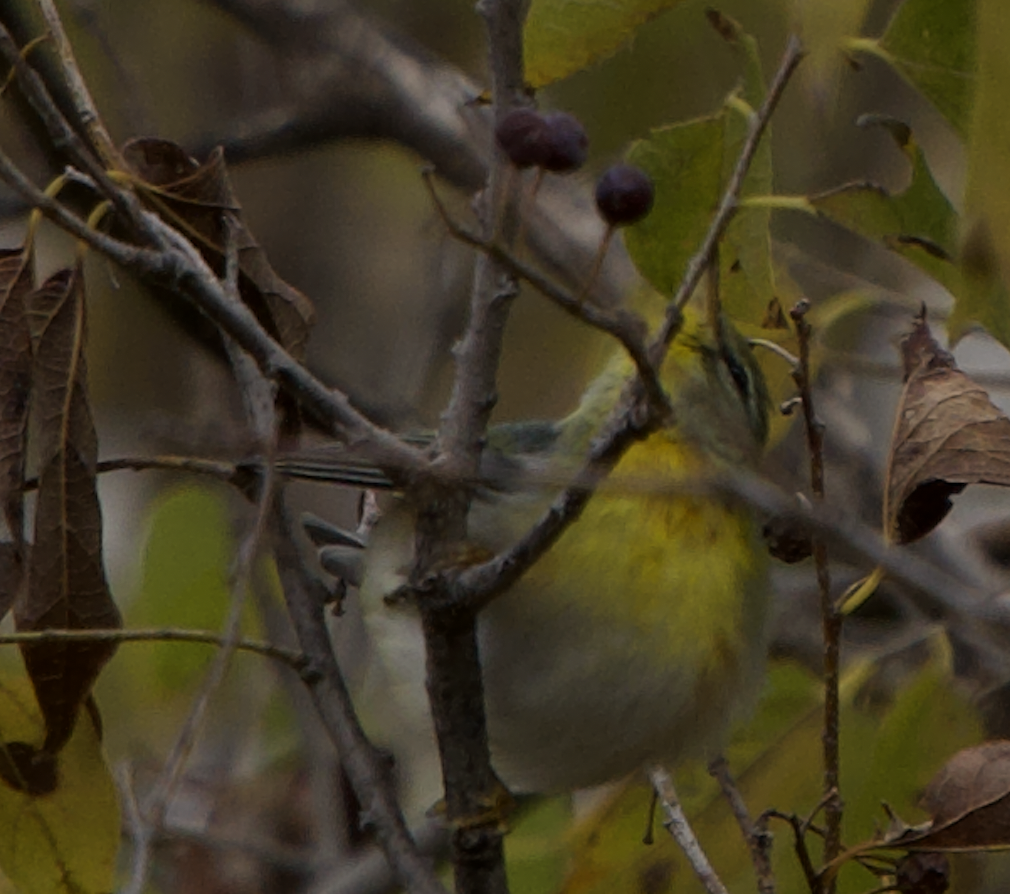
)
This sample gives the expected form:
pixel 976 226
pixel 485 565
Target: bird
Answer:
pixel 642 633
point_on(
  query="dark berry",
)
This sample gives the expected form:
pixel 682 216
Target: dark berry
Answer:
pixel 522 136
pixel 624 194
pixel 567 143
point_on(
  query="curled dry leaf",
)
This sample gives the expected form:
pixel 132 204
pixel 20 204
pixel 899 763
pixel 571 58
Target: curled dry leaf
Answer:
pixel 66 579
pixel 195 198
pixel 969 802
pixel 948 435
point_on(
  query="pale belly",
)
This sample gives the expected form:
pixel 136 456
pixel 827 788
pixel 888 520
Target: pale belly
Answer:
pixel 645 648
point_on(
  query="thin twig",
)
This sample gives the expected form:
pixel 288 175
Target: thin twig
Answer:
pixel 454 674
pixel 755 834
pixel 831 619
pixel 730 199
pixel 140 833
pixel 627 327
pixel 63 136
pixel 258 394
pixel 163 790
pixel 799 828
pixel 680 830
pixel 240 475
pixel 934 590
pixel 291 657
pixel 177 264
pixel 366 768
pixel 778 350
pixel 84 105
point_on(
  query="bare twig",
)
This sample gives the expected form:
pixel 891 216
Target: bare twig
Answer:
pixel 365 766
pixel 64 137
pixel 258 394
pixel 778 350
pixel 454 674
pixel 140 833
pixel 755 834
pixel 680 830
pixel 370 873
pixel 291 657
pixel 177 264
pixel 830 616
pixel 934 590
pixel 627 327
pixel 731 196
pixel 800 829
pixel 84 105
pixel 163 790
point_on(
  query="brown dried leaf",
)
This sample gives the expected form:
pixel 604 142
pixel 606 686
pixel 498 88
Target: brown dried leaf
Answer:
pixel 948 435
pixel 922 873
pixel 196 198
pixel 969 801
pixel 15 385
pixel 12 574
pixel 66 580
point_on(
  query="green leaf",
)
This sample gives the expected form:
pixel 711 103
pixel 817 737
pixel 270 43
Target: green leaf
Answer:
pixel 747 280
pixel 919 222
pixel 931 43
pixel 690 163
pixel 64 842
pixel 608 850
pixel 890 748
pixel 685 163
pixel 562 37
pixel 986 253
pixel 921 225
pixel 537 848
pixel 185 583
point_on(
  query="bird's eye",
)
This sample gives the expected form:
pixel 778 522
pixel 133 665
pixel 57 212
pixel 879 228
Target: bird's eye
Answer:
pixel 739 374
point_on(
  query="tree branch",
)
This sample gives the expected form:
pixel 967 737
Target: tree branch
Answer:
pixel 680 830
pixel 831 618
pixel 454 673
pixel 291 657
pixel 174 262
pixel 365 766
pixel 84 105
pixel 730 199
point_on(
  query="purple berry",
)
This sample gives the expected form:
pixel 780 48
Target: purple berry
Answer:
pixel 567 143
pixel 522 136
pixel 624 195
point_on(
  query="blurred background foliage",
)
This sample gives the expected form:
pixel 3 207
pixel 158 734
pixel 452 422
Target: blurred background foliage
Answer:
pixel 344 217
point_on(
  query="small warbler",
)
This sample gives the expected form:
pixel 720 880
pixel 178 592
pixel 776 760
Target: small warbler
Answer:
pixel 642 632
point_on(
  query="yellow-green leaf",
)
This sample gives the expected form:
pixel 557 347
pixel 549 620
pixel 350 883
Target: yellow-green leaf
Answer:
pixel 64 842
pixel 690 163
pixel 889 751
pixel 921 225
pixel 562 37
pixel 685 163
pixel 537 847
pixel 608 850
pixel 931 43
pixel 185 584
pixel 986 254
